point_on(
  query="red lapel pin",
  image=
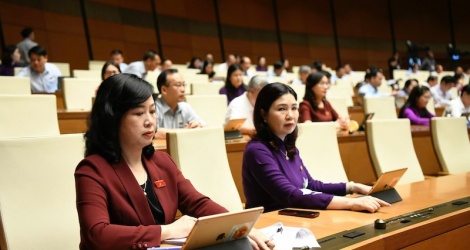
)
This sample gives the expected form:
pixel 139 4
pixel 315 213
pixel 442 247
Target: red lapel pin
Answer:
pixel 160 183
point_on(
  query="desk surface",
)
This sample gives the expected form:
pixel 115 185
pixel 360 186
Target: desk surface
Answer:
pixel 416 196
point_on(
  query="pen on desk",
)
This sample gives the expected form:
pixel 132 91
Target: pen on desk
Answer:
pixel 278 231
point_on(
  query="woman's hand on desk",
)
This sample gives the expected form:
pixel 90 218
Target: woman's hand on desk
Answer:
pixel 367 203
pixel 259 240
pixel 178 229
pixel 359 188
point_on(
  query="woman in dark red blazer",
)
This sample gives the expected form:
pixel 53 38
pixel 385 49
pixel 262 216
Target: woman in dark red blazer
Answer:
pixel 128 193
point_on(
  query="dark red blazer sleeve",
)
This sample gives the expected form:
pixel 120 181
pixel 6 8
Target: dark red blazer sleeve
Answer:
pixel 332 110
pixel 113 210
pixel 305 110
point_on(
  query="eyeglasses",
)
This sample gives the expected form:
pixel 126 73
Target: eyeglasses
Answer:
pixel 324 83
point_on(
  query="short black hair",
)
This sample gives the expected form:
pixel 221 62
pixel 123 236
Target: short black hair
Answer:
pixel 162 78
pixel 448 80
pixel 116 52
pixel 26 32
pixel 149 54
pixel 465 89
pixel 38 50
pixel 278 65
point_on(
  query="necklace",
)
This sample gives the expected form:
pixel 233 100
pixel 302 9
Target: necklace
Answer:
pixel 144 186
pixel 284 153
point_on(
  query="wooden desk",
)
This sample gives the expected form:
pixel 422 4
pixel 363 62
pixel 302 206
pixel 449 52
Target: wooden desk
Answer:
pixel 449 231
pixel 72 121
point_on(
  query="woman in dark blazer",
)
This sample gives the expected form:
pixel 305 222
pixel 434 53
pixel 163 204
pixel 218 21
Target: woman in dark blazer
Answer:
pixel 128 193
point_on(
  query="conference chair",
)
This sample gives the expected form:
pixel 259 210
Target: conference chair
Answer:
pixel 318 147
pixel 195 78
pixel 210 108
pixel 340 92
pixel 201 156
pixel 78 92
pixel 96 64
pixel 451 144
pixel 382 107
pixel 206 88
pixel 15 85
pixel 430 106
pixel 63 67
pixel 28 115
pixel 37 199
pixel 391 147
pixel 340 105
pixel 83 73
pixel 346 84
pixel 300 91
pixel 151 77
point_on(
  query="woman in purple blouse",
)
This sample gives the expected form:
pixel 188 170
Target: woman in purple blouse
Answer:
pixel 415 106
pixel 234 86
pixel 275 177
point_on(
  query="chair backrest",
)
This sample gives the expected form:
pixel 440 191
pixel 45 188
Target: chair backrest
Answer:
pixel 382 107
pixel 205 166
pixel 211 108
pixel 28 115
pixel 63 67
pixel 196 78
pixel 37 201
pixel 300 91
pixel 78 92
pixel 340 105
pixel 151 77
pixel 391 147
pixel 84 73
pixel 95 64
pixel 206 88
pixel 15 85
pixel 451 143
pixel 430 106
pixel 322 160
pixel 340 92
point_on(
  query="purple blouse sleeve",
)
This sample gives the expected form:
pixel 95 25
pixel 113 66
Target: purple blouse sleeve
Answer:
pixel 278 181
pixel 414 118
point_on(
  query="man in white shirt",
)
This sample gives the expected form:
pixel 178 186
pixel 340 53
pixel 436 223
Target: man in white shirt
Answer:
pixel 223 67
pixel 242 106
pixel 441 93
pixel 278 70
pixel 245 64
pixel 339 74
pixel 150 62
pixel 461 105
pixel 304 71
pixel 44 76
pixel 172 111
pixel 117 58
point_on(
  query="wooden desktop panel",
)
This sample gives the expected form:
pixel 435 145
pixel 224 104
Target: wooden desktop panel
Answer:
pixel 438 231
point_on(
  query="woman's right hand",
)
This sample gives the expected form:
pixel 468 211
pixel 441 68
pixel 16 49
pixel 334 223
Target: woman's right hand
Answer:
pixel 367 203
pixel 179 228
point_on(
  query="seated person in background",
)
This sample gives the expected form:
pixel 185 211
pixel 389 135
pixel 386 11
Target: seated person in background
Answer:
pixel 245 64
pixel 304 71
pixel 273 173
pixel 429 63
pixel 223 67
pixel 172 111
pixel 44 76
pixel 117 58
pixel 315 107
pixel 208 69
pixel 371 89
pixel 413 70
pixel 415 106
pixel 118 205
pixel 166 64
pixel 109 69
pixel 318 66
pixel 242 106
pixel 209 57
pixel 10 59
pixel 286 64
pixel 409 85
pixel 338 75
pixel 261 66
pixel 439 68
pixel 441 93
pixel 459 106
pixel 150 62
pixel 234 86
pixel 459 79
pixel 348 70
pixel 195 63
pixel 431 81
pixel 278 70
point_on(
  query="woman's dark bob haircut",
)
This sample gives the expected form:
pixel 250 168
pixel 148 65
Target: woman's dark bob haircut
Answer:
pixel 116 95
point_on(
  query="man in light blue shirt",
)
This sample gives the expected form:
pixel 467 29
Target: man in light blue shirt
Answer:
pixel 44 76
pixel 172 111
pixel 371 89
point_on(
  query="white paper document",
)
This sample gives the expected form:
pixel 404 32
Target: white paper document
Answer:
pixel 290 237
